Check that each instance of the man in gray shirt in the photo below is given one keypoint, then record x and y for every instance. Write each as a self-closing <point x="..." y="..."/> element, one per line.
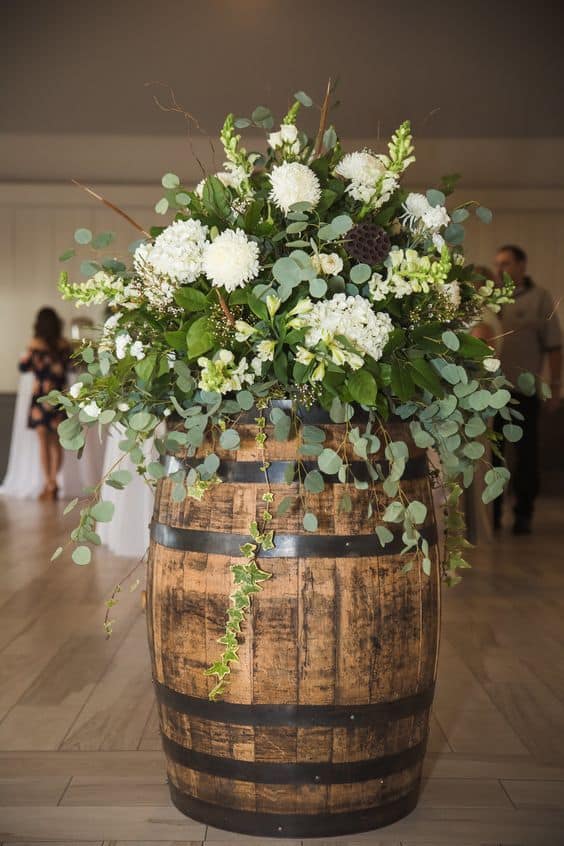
<point x="531" y="334"/>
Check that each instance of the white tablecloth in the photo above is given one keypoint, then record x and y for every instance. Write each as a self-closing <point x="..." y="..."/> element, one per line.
<point x="128" y="532"/>
<point x="24" y="479"/>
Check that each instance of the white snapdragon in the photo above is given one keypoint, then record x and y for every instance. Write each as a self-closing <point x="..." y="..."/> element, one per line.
<point x="292" y="183"/>
<point x="231" y="260"/>
<point x="329" y="264"/>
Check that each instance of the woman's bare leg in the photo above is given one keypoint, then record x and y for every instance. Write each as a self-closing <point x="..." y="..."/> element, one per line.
<point x="55" y="459"/>
<point x="44" y="453"/>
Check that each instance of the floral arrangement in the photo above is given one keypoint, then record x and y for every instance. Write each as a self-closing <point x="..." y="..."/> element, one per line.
<point x="301" y="273"/>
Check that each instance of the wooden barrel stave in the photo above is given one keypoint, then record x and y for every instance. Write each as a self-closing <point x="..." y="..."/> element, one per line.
<point x="382" y="648"/>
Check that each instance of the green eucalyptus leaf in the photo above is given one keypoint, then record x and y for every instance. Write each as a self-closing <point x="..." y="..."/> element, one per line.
<point x="81" y="555"/>
<point x="329" y="461"/>
<point x="229" y="439"/>
<point x="83" y="236"/>
<point x="310" y="522"/>
<point x="512" y="432"/>
<point x="313" y="482"/>
<point x="102" y="511"/>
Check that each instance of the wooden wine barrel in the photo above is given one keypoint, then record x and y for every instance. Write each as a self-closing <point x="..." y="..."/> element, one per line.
<point x="324" y="726"/>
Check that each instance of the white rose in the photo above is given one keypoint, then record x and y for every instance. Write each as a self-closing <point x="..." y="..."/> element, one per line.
<point x="275" y="140"/>
<point x="288" y="133"/>
<point x="331" y="264"/>
<point x="75" y="389"/>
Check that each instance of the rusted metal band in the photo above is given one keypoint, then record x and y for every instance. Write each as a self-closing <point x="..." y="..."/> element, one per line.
<point x="287" y="546"/>
<point x="302" y="716"/>
<point x="250" y="472"/>
<point x="266" y="772"/>
<point x="294" y="825"/>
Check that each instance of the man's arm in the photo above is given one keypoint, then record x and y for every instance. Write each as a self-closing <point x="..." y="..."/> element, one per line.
<point x="555" y="369"/>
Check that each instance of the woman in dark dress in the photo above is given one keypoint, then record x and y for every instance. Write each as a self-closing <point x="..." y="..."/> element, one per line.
<point x="48" y="356"/>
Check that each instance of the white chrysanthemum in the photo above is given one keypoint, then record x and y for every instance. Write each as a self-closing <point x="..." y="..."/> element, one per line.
<point x="362" y="167"/>
<point x="421" y="216"/>
<point x="353" y="318"/>
<point x="177" y="252"/>
<point x="231" y="260"/>
<point x="294" y="183"/>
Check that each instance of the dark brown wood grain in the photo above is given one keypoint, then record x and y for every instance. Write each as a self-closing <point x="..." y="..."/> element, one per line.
<point x="323" y="632"/>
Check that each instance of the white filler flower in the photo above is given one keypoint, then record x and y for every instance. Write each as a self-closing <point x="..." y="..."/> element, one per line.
<point x="352" y="317"/>
<point x="231" y="260"/>
<point x="294" y="183"/>
<point x="177" y="252"/>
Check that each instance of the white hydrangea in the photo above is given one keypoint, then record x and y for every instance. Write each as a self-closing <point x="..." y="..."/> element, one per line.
<point x="292" y="183"/>
<point x="353" y="318"/>
<point x="177" y="252"/>
<point x="137" y="350"/>
<point x="231" y="260"/>
<point x="123" y="342"/>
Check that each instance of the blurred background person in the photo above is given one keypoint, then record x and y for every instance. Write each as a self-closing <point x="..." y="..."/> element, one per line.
<point x="47" y="356"/>
<point x="531" y="338"/>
